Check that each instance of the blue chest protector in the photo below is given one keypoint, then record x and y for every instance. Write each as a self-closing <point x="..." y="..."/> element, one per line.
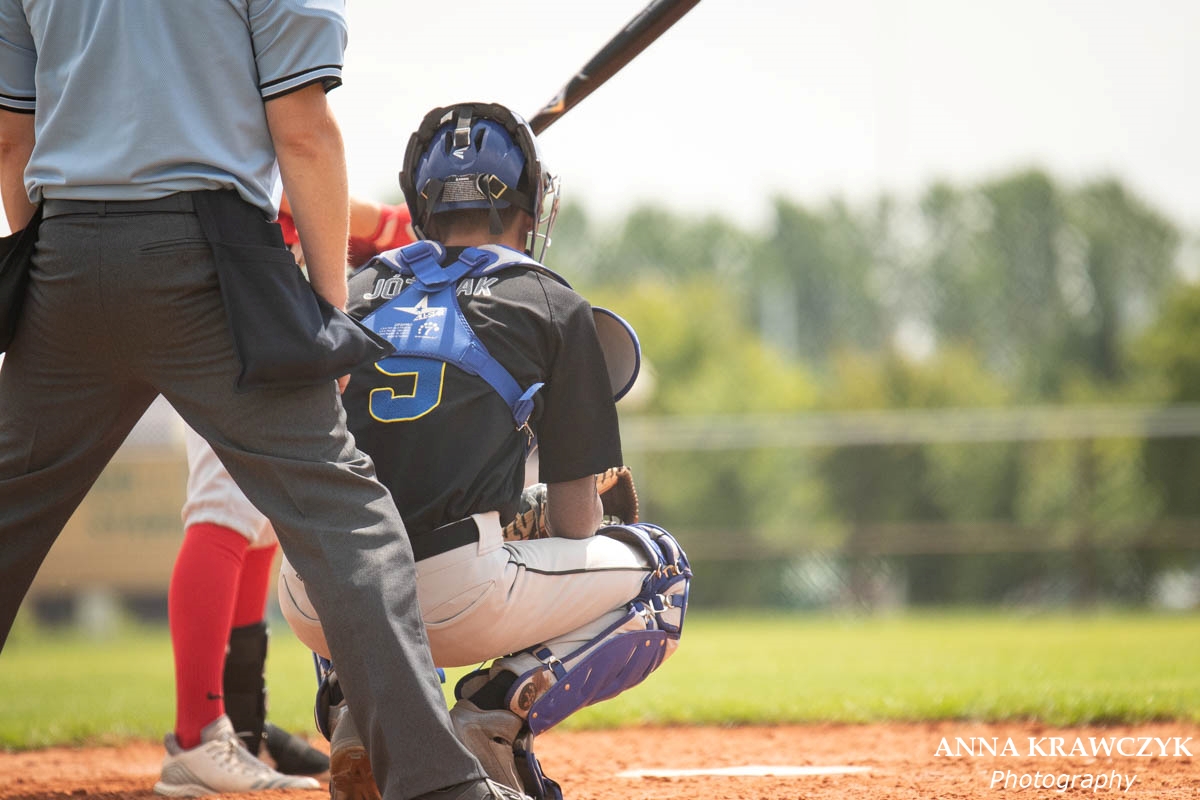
<point x="424" y="319"/>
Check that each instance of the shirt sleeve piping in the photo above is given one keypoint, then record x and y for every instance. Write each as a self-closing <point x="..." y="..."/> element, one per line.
<point x="294" y="80"/>
<point x="20" y="105"/>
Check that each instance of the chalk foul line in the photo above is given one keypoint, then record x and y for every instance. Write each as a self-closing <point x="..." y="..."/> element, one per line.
<point x="748" y="770"/>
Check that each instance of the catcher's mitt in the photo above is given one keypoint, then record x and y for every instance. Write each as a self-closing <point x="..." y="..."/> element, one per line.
<point x="530" y="521"/>
<point x="617" y="495"/>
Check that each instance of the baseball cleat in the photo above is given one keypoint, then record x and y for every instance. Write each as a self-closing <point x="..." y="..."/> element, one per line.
<point x="220" y="764"/>
<point x="489" y="735"/>
<point x="350" y="776"/>
<point x="292" y="754"/>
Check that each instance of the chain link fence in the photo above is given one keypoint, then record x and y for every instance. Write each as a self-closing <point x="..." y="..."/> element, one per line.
<point x="1027" y="507"/>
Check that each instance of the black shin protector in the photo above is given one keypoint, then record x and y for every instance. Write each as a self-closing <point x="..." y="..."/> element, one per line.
<point x="245" y="683"/>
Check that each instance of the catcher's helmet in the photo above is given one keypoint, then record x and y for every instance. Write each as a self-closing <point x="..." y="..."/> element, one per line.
<point x="478" y="155"/>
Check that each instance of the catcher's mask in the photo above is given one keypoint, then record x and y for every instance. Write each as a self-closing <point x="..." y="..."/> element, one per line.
<point x="478" y="155"/>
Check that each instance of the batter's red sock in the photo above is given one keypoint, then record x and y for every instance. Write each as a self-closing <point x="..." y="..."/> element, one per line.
<point x="251" y="604"/>
<point x="200" y="604"/>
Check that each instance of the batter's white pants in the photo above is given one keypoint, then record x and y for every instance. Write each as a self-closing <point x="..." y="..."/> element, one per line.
<point x="213" y="497"/>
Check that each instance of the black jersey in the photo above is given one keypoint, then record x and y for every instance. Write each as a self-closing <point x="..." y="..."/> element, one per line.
<point x="456" y="451"/>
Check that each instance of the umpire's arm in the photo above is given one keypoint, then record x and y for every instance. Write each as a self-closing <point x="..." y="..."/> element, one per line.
<point x="312" y="163"/>
<point x="16" y="144"/>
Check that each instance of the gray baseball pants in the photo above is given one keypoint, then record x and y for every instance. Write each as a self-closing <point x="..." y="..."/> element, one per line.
<point x="124" y="305"/>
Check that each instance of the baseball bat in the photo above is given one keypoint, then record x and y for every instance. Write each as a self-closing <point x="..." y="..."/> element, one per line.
<point x="635" y="37"/>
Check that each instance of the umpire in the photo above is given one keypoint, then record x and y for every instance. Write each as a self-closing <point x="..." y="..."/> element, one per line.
<point x="153" y="135"/>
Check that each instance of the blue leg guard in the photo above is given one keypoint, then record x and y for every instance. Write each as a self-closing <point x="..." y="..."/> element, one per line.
<point x="329" y="694"/>
<point x="620" y="657"/>
<point x="529" y="770"/>
<point x="623" y="654"/>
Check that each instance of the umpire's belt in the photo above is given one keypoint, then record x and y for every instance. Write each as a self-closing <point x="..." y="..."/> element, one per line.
<point x="180" y="202"/>
<point x="444" y="539"/>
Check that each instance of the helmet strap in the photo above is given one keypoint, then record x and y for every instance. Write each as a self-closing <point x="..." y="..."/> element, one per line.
<point x="495" y="226"/>
<point x="492" y="189"/>
<point x="431" y="194"/>
<point x="462" y="128"/>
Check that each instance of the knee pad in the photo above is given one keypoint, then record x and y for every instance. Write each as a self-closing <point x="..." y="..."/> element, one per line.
<point x="624" y="653"/>
<point x="665" y="590"/>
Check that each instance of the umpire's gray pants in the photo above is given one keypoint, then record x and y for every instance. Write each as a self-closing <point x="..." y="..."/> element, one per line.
<point x="124" y="306"/>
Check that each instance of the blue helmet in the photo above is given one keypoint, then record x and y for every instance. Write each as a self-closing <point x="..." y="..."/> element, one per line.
<point x="458" y="158"/>
<point x="482" y="156"/>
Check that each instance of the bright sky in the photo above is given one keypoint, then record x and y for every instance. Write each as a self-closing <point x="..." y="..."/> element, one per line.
<point x="744" y="99"/>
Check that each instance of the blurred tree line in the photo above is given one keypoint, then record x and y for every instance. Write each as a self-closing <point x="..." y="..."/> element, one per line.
<point x="1010" y="293"/>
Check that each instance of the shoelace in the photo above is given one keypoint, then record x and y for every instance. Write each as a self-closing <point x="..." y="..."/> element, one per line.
<point x="231" y="752"/>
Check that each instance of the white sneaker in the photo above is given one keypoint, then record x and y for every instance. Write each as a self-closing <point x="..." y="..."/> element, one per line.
<point x="489" y="735"/>
<point x="219" y="764"/>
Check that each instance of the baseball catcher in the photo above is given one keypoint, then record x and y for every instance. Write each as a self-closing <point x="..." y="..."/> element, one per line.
<point x="569" y="596"/>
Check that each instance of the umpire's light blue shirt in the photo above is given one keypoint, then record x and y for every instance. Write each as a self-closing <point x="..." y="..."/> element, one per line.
<point x="137" y="99"/>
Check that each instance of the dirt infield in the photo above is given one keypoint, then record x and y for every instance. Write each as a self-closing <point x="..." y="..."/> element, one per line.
<point x="900" y="761"/>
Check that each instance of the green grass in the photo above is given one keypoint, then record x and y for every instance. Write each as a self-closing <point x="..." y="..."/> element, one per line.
<point x="731" y="669"/>
<point x="1063" y="669"/>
